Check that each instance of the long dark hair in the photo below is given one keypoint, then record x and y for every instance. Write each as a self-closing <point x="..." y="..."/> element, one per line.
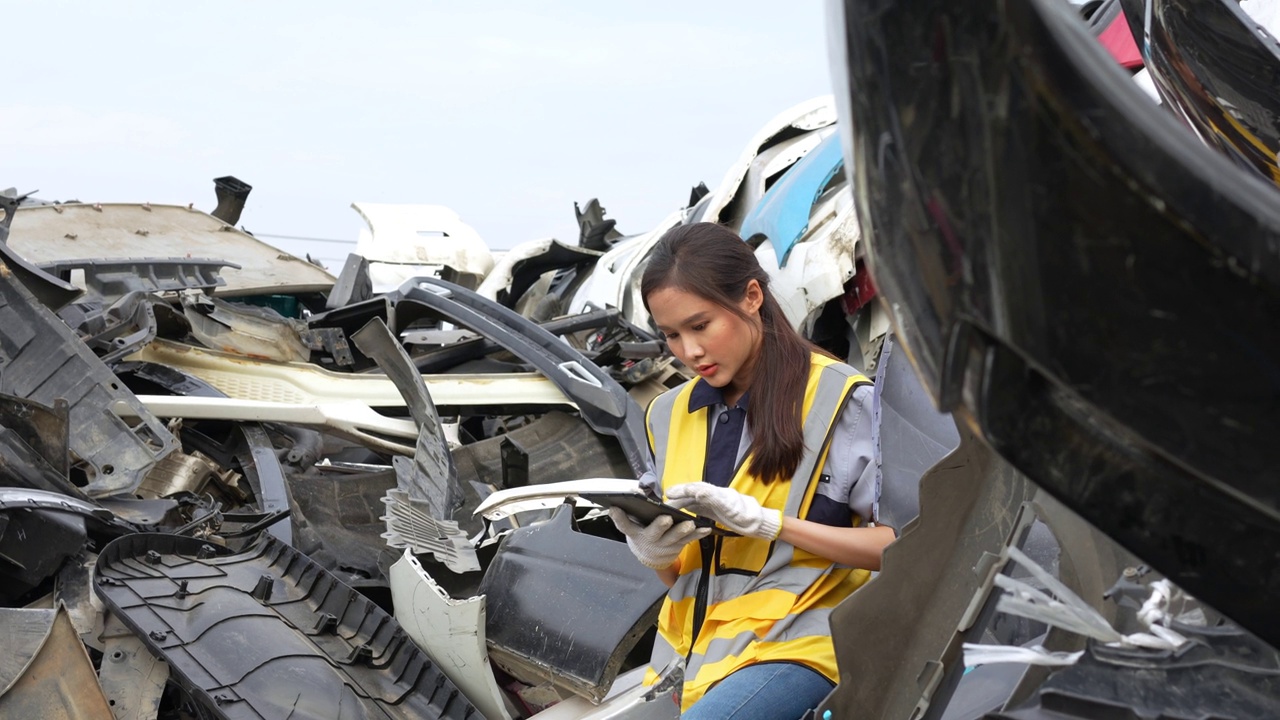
<point x="710" y="261"/>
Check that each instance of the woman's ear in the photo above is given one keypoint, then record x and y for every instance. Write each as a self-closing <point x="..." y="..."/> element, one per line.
<point x="753" y="298"/>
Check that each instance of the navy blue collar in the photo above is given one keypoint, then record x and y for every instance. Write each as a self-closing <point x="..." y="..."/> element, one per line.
<point x="704" y="395"/>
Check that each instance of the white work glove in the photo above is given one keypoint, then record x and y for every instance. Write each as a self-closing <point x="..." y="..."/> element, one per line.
<point x="658" y="544"/>
<point x="730" y="508"/>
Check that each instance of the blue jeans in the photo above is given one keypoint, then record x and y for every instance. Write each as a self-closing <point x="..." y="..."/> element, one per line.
<point x="768" y="691"/>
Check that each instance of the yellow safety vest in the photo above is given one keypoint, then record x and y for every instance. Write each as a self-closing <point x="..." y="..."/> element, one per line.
<point x="761" y="600"/>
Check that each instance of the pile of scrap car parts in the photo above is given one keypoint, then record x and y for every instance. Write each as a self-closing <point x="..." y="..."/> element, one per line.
<point x="786" y="194"/>
<point x="1037" y="224"/>
<point x="239" y="454"/>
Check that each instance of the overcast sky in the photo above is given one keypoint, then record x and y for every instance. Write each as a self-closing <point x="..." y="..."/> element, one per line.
<point x="506" y="112"/>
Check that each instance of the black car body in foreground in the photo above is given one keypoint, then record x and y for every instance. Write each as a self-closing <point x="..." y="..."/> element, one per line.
<point x="1089" y="288"/>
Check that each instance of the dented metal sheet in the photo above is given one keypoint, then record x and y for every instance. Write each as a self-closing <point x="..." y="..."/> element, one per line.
<point x="116" y="231"/>
<point x="42" y="360"/>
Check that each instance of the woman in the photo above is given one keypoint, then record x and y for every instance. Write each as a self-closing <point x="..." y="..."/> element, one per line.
<point x="772" y="442"/>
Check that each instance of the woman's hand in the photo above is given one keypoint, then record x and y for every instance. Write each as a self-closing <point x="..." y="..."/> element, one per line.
<point x="731" y="509"/>
<point x="658" y="544"/>
<point x="859" y="547"/>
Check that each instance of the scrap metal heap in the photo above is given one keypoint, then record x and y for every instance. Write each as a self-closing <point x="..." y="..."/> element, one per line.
<point x="255" y="485"/>
<point x="210" y="468"/>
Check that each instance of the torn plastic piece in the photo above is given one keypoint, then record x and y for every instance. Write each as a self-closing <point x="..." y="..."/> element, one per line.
<point x="1070" y="613"/>
<point x="432" y="477"/>
<point x="58" y="681"/>
<point x="18" y="499"/>
<point x="1154" y="685"/>
<point x="109" y="280"/>
<point x="330" y="340"/>
<point x="22" y="466"/>
<point x="594" y="231"/>
<point x="139" y="512"/>
<point x="411" y="525"/>
<point x="232" y="193"/>
<point x="140" y="376"/>
<point x="521" y="267"/>
<point x="42" y="360"/>
<point x="604" y="404"/>
<point x="262" y="469"/>
<point x="577" y="640"/>
<point x="911" y="436"/>
<point x="47" y="289"/>
<point x="628" y="699"/>
<point x="44" y="428"/>
<point x="318" y="645"/>
<point x="976" y="654"/>
<point x="73" y="589"/>
<point x="450" y="631"/>
<point x="965" y="512"/>
<point x="181" y="472"/>
<point x="244" y="329"/>
<point x="353" y="284"/>
<point x="132" y="679"/>
<point x="115" y="331"/>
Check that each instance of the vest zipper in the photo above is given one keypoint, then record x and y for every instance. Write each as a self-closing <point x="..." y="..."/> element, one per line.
<point x="707" y="547"/>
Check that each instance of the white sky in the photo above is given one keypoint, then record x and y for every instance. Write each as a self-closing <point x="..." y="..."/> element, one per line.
<point x="507" y="112"/>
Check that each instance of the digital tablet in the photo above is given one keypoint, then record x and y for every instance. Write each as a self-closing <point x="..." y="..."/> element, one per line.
<point x="645" y="508"/>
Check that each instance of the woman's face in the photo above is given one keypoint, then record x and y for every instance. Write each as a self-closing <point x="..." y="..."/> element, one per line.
<point x="711" y="340"/>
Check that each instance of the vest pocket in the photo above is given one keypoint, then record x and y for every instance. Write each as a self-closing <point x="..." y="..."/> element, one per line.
<point x="742" y="555"/>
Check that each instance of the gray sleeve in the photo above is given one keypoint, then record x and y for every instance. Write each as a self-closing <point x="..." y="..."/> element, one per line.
<point x="851" y="466"/>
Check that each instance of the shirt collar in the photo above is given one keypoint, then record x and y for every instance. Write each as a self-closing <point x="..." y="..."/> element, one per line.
<point x="704" y="395"/>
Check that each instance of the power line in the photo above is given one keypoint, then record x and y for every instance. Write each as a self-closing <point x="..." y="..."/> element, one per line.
<point x="304" y="239"/>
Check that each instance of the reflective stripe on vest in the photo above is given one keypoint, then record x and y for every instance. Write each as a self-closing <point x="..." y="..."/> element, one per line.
<point x="766" y="601"/>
